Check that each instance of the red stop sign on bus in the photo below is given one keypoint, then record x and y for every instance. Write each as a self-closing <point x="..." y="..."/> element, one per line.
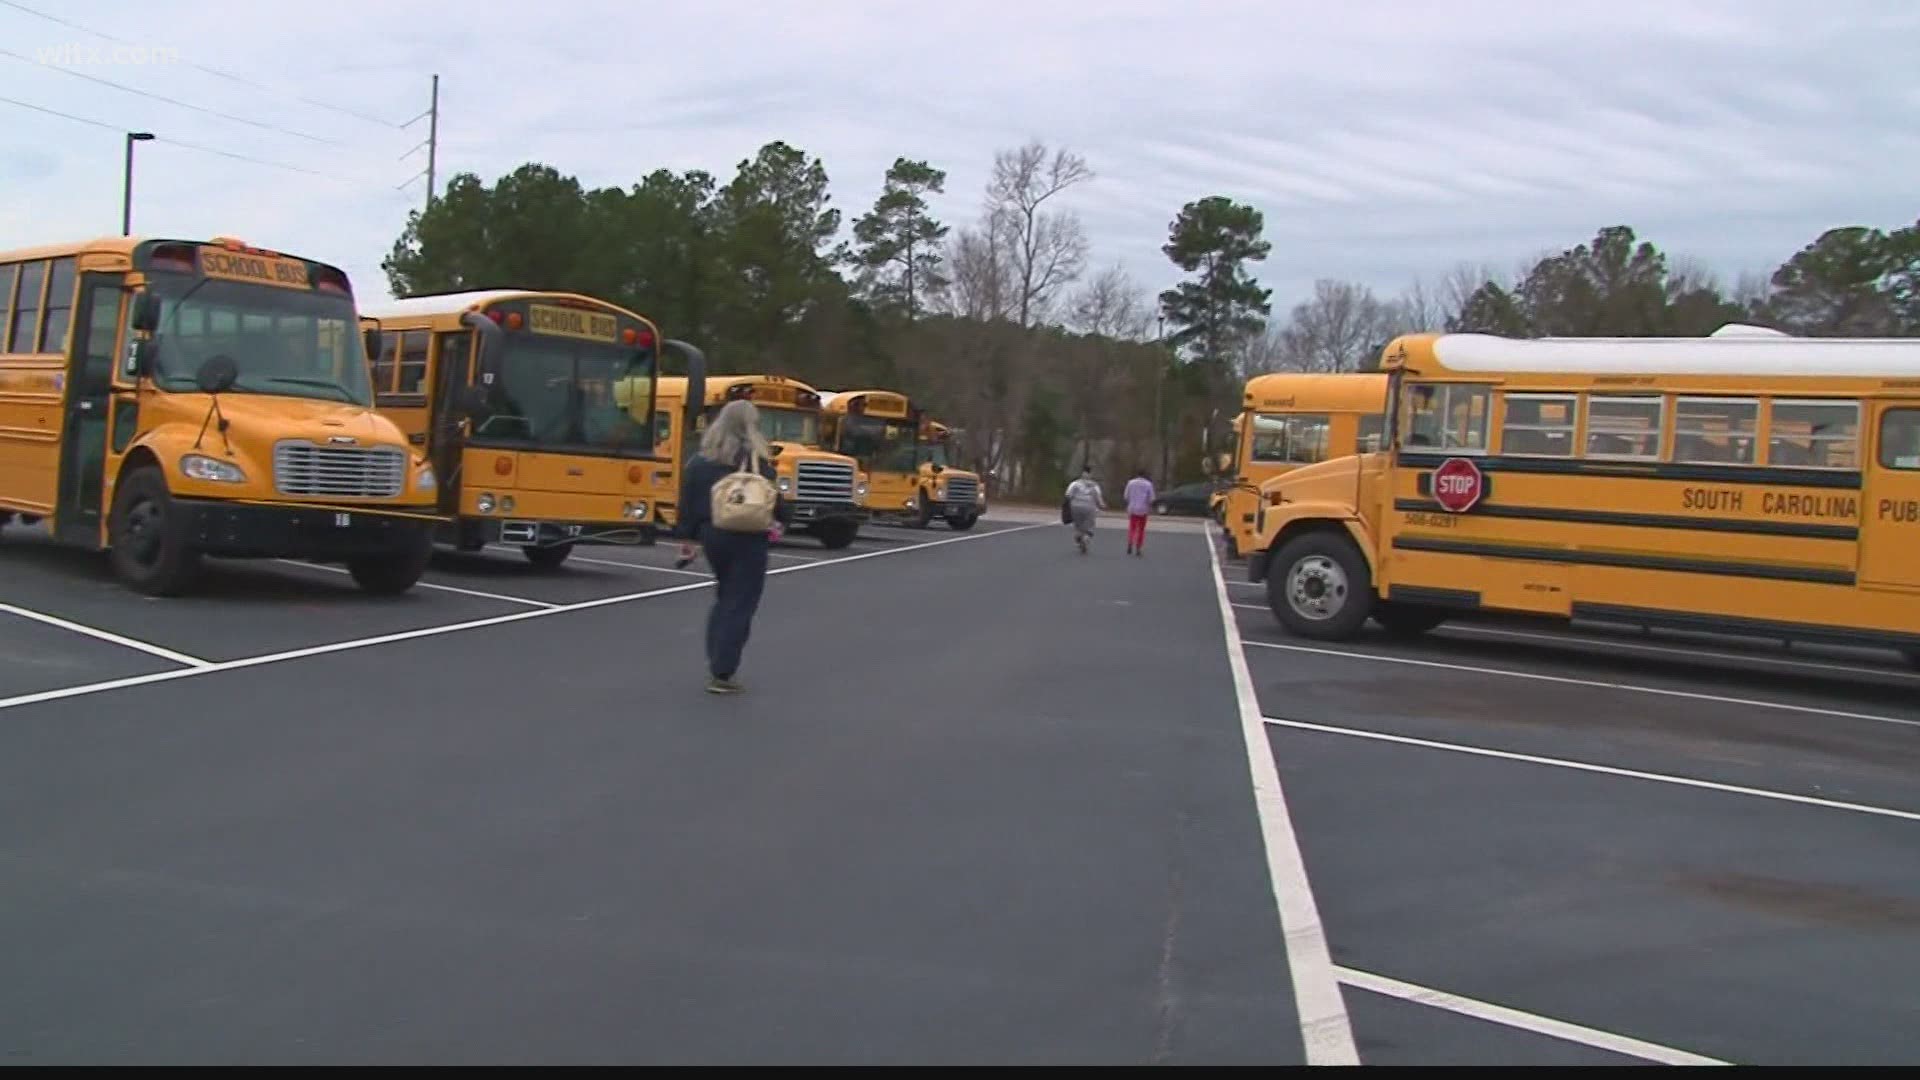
<point x="1457" y="485"/>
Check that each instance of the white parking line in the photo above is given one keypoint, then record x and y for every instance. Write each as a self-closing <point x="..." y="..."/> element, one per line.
<point x="639" y="566"/>
<point x="435" y="631"/>
<point x="1525" y="1021"/>
<point x="1325" y="1029"/>
<point x="430" y="585"/>
<point x="1606" y="770"/>
<point x="1584" y="640"/>
<point x="1679" y="650"/>
<point x="108" y="636"/>
<point x="1633" y="688"/>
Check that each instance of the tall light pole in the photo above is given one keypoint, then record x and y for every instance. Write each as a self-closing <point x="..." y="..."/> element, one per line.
<point x="126" y="188"/>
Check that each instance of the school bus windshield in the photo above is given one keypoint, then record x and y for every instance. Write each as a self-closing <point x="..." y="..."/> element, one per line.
<point x="284" y="342"/>
<point x="885" y="445"/>
<point x="554" y="392"/>
<point x="784" y="425"/>
<point x="935" y="453"/>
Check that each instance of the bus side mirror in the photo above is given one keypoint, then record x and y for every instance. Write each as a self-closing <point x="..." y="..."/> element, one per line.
<point x="1223" y="464"/>
<point x="217" y="375"/>
<point x="146" y="312"/>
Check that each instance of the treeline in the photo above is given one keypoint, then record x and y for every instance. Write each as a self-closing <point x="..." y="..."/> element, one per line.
<point x="1006" y="328"/>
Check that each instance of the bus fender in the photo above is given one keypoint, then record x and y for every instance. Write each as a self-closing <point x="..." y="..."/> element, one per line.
<point x="1305" y="518"/>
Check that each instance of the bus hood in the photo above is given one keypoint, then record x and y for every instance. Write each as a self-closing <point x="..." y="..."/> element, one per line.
<point x="1321" y="480"/>
<point x="256" y="416"/>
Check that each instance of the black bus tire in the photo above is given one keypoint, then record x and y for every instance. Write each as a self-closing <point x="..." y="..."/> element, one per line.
<point x="548" y="557"/>
<point x="1319" y="587"/>
<point x="394" y="572"/>
<point x="146" y="543"/>
<point x="834" y="535"/>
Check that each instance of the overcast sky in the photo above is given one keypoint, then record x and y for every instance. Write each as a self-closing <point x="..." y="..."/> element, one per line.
<point x="1383" y="141"/>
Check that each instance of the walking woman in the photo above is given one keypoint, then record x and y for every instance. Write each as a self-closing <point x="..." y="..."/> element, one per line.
<point x="1085" y="502"/>
<point x="732" y="443"/>
<point x="1139" y="505"/>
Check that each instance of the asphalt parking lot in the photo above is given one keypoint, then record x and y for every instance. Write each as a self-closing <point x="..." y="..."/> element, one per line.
<point x="986" y="800"/>
<point x="1601" y="846"/>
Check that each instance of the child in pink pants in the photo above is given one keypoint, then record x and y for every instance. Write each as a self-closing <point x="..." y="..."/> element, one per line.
<point x="1139" y="505"/>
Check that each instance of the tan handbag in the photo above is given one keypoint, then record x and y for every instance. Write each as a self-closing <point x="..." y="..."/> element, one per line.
<point x="744" y="500"/>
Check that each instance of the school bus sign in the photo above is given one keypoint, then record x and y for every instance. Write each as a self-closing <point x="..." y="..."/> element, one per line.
<point x="218" y="262"/>
<point x="573" y="323"/>
<point x="1458" y="485"/>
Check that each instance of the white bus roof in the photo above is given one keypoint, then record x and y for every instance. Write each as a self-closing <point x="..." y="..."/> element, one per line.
<point x="436" y="302"/>
<point x="1731" y="351"/>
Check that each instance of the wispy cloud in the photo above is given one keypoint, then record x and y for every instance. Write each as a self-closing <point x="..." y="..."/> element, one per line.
<point x="1384" y="140"/>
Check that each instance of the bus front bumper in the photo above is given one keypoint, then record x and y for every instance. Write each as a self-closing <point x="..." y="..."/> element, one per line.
<point x="248" y="530"/>
<point x="813" y="513"/>
<point x="529" y="533"/>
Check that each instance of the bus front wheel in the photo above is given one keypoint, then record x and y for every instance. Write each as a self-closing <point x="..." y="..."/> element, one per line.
<point x="549" y="557"/>
<point x="835" y="535"/>
<point x="1318" y="586"/>
<point x="394" y="572"/>
<point x="144" y="538"/>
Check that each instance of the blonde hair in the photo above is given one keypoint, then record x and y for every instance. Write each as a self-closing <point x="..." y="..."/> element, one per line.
<point x="732" y="433"/>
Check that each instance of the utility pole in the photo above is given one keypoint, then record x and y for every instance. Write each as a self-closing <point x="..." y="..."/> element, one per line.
<point x="433" y="137"/>
<point x="432" y="145"/>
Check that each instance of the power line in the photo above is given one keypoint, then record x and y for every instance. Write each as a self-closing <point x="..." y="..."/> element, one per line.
<point x="242" y="79"/>
<point x="161" y="97"/>
<point x="185" y="145"/>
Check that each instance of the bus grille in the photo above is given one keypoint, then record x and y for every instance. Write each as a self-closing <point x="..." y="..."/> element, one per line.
<point x="823" y="481"/>
<point x="301" y="468"/>
<point x="962" y="489"/>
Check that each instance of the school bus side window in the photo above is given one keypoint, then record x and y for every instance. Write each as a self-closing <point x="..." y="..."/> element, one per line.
<point x="413" y="361"/>
<point x="1538" y="425"/>
<point x="1715" y="431"/>
<point x="1814" y="434"/>
<point x="7" y="274"/>
<point x="1448" y="416"/>
<point x="1624" y="428"/>
<point x="383" y="364"/>
<point x="26" y="306"/>
<point x="59" y="308"/>
<point x="1900" y="439"/>
<point x="1294" y="439"/>
<point x="1373" y="429"/>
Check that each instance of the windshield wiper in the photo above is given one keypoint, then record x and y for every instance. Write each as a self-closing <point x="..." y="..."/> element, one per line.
<point x="345" y="394"/>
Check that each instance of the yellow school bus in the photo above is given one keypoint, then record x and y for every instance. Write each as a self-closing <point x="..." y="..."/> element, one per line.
<point x="532" y="406"/>
<point x="167" y="399"/>
<point x="1288" y="420"/>
<point x="905" y="456"/>
<point x="1745" y="483"/>
<point x="827" y="490"/>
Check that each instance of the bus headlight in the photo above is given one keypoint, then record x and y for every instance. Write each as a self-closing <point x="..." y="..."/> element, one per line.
<point x="484" y="503"/>
<point x="202" y="467"/>
<point x="635" y="510"/>
<point x="425" y="481"/>
<point x="786" y="485"/>
<point x="860" y="489"/>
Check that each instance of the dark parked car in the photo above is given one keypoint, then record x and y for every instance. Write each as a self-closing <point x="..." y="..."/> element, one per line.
<point x="1188" y="499"/>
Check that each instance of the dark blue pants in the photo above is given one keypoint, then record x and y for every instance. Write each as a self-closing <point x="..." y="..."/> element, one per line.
<point x="739" y="562"/>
